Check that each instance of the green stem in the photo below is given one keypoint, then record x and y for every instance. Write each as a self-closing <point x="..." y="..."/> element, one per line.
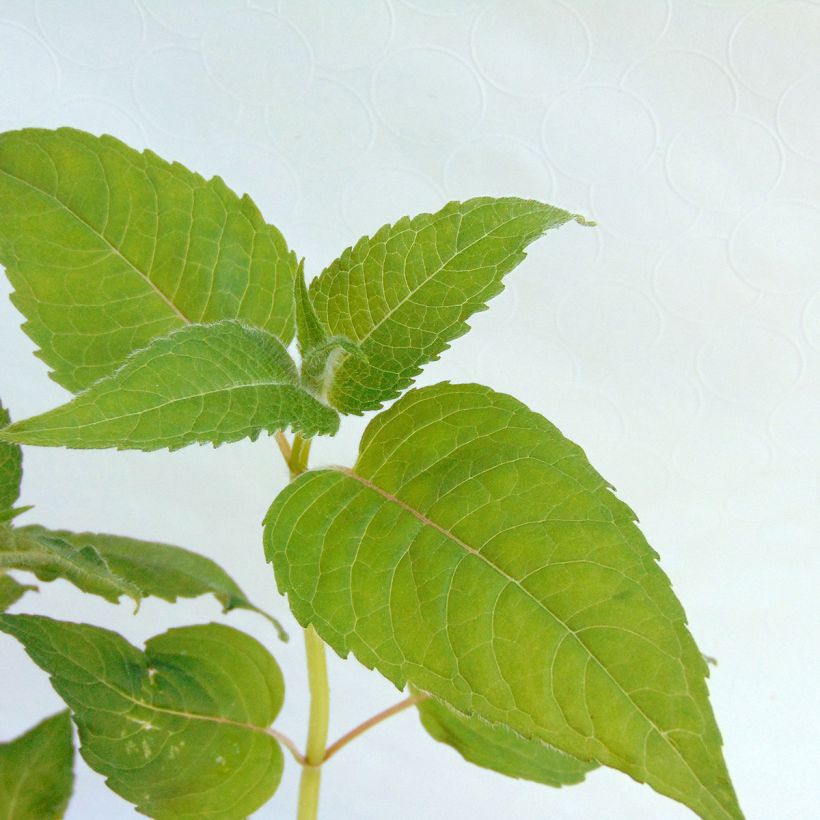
<point x="317" y="726"/>
<point x="309" y="785"/>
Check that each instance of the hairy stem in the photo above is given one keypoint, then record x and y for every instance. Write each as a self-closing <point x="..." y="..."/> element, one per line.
<point x="299" y="456"/>
<point x="371" y="722"/>
<point x="317" y="725"/>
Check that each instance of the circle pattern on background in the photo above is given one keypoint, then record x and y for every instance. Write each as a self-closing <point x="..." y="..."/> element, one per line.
<point x="530" y="48"/>
<point x="428" y="96"/>
<point x="202" y="108"/>
<point x="695" y="280"/>
<point x="798" y="117"/>
<point x="681" y="86"/>
<point x="623" y="209"/>
<point x="330" y="28"/>
<point x="775" y="45"/>
<point x="640" y="24"/>
<point x="749" y="364"/>
<point x="116" y="37"/>
<point x="725" y="163"/>
<point x="498" y="165"/>
<point x="811" y="320"/>
<point x="587" y="127"/>
<point x="445" y="8"/>
<point x="777" y="247"/>
<point x="718" y="456"/>
<point x="276" y="62"/>
<point x="384" y="194"/>
<point x="189" y="18"/>
<point x="27" y="59"/>
<point x="301" y="128"/>
<point x="656" y="401"/>
<point x="604" y="324"/>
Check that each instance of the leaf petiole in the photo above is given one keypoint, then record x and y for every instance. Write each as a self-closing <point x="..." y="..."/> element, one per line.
<point x="284" y="445"/>
<point x="371" y="722"/>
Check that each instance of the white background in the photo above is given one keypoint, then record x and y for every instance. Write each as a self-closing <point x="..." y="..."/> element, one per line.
<point x="679" y="342"/>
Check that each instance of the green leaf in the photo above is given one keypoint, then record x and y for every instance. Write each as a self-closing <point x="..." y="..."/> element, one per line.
<point x="404" y="294"/>
<point x="498" y="748"/>
<point x="36" y="771"/>
<point x="108" y="248"/>
<point x="179" y="730"/>
<point x="162" y="570"/>
<point x="321" y="354"/>
<point x="309" y="331"/>
<point x="11" y="469"/>
<point x="10" y="515"/>
<point x="11" y="591"/>
<point x="50" y="557"/>
<point x="205" y="383"/>
<point x="474" y="553"/>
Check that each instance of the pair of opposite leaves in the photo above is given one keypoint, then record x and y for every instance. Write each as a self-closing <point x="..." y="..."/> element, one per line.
<point x="513" y="586"/>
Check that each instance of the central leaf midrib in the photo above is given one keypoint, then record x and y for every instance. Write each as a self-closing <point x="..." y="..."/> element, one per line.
<point x="100" y="236"/>
<point x="413" y="291"/>
<point x="154" y="407"/>
<point x="418" y="515"/>
<point x="187" y="715"/>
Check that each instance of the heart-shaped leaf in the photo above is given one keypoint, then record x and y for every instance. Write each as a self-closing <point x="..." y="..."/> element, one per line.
<point x="179" y="730"/>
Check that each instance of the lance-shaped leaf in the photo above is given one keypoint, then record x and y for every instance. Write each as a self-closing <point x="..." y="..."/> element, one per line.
<point x="179" y="730"/>
<point x="205" y="383"/>
<point x="36" y="771"/>
<point x="321" y="354"/>
<point x="11" y="590"/>
<point x="163" y="570"/>
<point x="498" y="748"/>
<point x="50" y="557"/>
<point x="405" y="293"/>
<point x="108" y="248"/>
<point x="474" y="553"/>
<point x="309" y="330"/>
<point x="11" y="469"/>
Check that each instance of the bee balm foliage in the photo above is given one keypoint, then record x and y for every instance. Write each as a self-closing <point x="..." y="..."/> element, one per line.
<point x="471" y="553"/>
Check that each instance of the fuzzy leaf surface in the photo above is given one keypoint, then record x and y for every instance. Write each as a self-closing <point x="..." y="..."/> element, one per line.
<point x="37" y="771"/>
<point x="205" y="383"/>
<point x="498" y="748"/>
<point x="406" y="292"/>
<point x="179" y="730"/>
<point x="163" y="570"/>
<point x="108" y="248"/>
<point x="50" y="557"/>
<point x="11" y="468"/>
<point x="474" y="552"/>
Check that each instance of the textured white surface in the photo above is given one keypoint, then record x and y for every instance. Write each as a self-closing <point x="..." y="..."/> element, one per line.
<point x="679" y="343"/>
